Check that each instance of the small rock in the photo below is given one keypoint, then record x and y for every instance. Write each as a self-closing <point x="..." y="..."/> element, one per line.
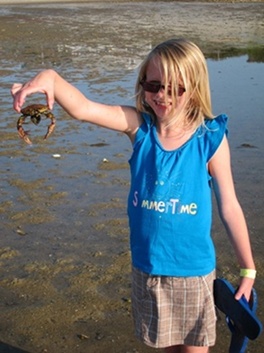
<point x="82" y="337"/>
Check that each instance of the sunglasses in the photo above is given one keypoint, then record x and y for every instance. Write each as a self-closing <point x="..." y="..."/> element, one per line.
<point x="155" y="87"/>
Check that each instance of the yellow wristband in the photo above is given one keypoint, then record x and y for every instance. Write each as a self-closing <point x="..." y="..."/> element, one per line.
<point x="246" y="272"/>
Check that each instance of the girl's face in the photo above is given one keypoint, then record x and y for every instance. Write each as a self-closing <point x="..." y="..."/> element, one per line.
<point x="160" y="104"/>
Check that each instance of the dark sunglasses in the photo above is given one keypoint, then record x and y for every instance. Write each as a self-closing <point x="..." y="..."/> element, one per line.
<point x="155" y="87"/>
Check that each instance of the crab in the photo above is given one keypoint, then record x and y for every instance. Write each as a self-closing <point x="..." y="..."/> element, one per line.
<point x="35" y="111"/>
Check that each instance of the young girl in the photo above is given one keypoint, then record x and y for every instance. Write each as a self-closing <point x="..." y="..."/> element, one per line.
<point x="180" y="151"/>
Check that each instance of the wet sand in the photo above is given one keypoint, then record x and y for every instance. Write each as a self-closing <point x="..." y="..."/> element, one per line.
<point x="65" y="263"/>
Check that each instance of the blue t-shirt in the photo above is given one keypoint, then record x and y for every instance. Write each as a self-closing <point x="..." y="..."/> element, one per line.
<point x="169" y="204"/>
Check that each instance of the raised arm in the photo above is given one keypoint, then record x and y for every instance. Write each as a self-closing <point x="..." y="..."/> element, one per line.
<point x="120" y="118"/>
<point x="231" y="213"/>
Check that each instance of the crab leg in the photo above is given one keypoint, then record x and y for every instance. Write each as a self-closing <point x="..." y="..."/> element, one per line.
<point x="52" y="125"/>
<point x="21" y="132"/>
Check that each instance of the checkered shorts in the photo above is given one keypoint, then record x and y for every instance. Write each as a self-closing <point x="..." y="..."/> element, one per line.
<point x="172" y="311"/>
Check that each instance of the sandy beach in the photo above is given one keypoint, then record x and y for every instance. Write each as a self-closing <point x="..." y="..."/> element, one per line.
<point x="64" y="250"/>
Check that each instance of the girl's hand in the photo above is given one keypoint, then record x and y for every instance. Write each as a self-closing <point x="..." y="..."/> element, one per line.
<point x="245" y="288"/>
<point x="42" y="83"/>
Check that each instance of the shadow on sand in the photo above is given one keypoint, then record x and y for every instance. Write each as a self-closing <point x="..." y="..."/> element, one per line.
<point x="6" y="348"/>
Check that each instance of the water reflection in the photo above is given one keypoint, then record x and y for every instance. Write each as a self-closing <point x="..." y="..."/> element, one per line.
<point x="254" y="53"/>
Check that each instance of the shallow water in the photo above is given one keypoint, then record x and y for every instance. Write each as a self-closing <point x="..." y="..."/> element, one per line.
<point x="64" y="247"/>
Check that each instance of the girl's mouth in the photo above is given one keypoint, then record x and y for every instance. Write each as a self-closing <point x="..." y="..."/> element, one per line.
<point x="162" y="104"/>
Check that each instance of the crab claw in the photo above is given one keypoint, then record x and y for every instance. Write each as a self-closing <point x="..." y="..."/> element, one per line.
<point x="51" y="127"/>
<point x="27" y="140"/>
<point x="24" y="135"/>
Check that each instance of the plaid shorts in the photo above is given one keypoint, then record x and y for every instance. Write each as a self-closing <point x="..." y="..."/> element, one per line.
<point x="172" y="311"/>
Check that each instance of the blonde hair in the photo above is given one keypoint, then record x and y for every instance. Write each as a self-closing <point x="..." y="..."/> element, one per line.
<point x="182" y="64"/>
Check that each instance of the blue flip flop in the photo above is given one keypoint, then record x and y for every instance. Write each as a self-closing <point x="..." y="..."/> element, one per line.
<point x="241" y="317"/>
<point x="239" y="342"/>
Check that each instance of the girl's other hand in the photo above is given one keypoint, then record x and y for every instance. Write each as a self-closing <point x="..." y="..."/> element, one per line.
<point x="245" y="288"/>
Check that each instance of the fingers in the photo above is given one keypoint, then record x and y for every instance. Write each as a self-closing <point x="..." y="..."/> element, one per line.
<point x="245" y="288"/>
<point x="16" y="87"/>
<point x="50" y="100"/>
<point x="17" y="103"/>
<point x="42" y="83"/>
<point x="20" y="92"/>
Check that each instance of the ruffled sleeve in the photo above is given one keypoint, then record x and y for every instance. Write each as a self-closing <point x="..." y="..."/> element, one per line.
<point x="213" y="133"/>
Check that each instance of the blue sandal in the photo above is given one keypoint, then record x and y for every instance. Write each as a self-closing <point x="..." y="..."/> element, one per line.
<point x="240" y="315"/>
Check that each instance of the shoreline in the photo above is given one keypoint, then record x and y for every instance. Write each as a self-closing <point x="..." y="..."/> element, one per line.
<point x="39" y="2"/>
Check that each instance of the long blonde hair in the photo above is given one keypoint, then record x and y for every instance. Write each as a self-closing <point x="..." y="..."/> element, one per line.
<point x="182" y="63"/>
